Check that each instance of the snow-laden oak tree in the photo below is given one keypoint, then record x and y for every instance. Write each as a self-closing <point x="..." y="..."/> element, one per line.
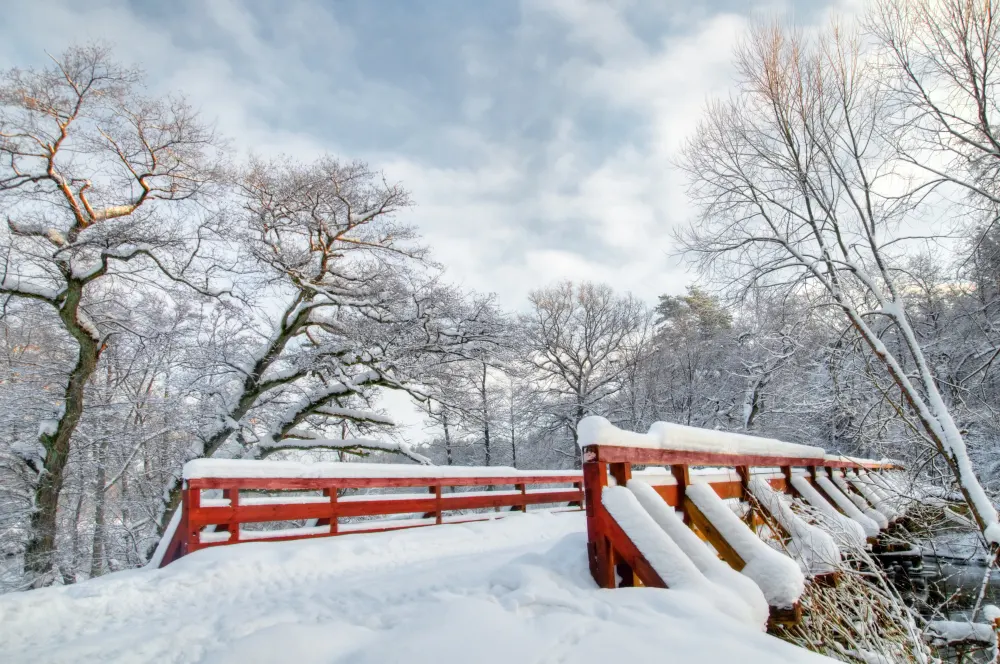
<point x="345" y="303"/>
<point x="97" y="182"/>
<point x="803" y="188"/>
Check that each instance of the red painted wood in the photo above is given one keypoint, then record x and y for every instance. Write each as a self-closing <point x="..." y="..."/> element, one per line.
<point x="380" y="527"/>
<point x="787" y="487"/>
<point x="613" y="454"/>
<point x="233" y="496"/>
<point x="682" y="475"/>
<point x="732" y="489"/>
<point x="195" y="516"/>
<point x="332" y="521"/>
<point x="192" y="501"/>
<point x="610" y="454"/>
<point x="177" y="546"/>
<point x="439" y="504"/>
<point x="626" y="549"/>
<point x="595" y="478"/>
<point x="622" y="472"/>
<point x="377" y="505"/>
<point x="585" y="490"/>
<point x="669" y="493"/>
<point x="579" y="487"/>
<point x="523" y="489"/>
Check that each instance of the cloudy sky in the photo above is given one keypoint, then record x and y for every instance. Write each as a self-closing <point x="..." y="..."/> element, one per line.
<point x="537" y="136"/>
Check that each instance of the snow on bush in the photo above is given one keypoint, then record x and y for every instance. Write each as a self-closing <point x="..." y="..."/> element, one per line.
<point x="777" y="575"/>
<point x="707" y="562"/>
<point x="815" y="550"/>
<point x="941" y="633"/>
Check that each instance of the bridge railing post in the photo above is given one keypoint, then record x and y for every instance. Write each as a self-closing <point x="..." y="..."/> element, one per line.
<point x="682" y="478"/>
<point x="190" y="501"/>
<point x="599" y="552"/>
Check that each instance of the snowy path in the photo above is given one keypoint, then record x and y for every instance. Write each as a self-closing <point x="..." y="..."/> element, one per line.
<point x="516" y="590"/>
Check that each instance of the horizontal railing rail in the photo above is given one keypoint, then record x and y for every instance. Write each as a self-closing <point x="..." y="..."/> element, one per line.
<point x="333" y="509"/>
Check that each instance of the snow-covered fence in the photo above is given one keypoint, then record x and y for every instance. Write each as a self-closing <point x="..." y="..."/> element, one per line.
<point x="694" y="470"/>
<point x="227" y="502"/>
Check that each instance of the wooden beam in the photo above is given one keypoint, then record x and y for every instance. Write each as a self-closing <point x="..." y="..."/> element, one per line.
<point x="629" y="553"/>
<point x="714" y="537"/>
<point x="622" y="472"/>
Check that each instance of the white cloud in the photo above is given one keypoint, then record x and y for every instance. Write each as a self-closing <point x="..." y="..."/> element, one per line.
<point x="515" y="188"/>
<point x="506" y="203"/>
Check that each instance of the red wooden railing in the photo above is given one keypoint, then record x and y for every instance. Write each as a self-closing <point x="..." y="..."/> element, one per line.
<point x="333" y="510"/>
<point x="609" y="548"/>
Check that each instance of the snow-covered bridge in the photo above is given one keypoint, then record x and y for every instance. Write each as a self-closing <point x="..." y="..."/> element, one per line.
<point x="513" y="590"/>
<point x="517" y="588"/>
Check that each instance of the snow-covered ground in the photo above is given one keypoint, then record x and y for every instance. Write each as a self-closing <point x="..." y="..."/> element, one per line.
<point x="511" y="590"/>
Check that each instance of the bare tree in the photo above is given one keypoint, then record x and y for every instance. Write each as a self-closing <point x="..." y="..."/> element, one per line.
<point x="801" y="190"/>
<point x="467" y="390"/>
<point x="86" y="166"/>
<point x="943" y="72"/>
<point x="577" y="337"/>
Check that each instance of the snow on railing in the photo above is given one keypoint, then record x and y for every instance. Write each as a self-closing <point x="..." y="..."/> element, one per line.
<point x="696" y="471"/>
<point x="835" y="522"/>
<point x="671" y="566"/>
<point x="242" y="468"/>
<point x="846" y="505"/>
<point x="672" y="437"/>
<point x="777" y="575"/>
<point x="231" y="501"/>
<point x="860" y="501"/>
<point x="704" y="558"/>
<point x="813" y="548"/>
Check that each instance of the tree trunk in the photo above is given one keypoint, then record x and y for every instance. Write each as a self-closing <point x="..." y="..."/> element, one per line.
<point x="447" y="436"/>
<point x="486" y="416"/>
<point x="513" y="440"/>
<point x="577" y="452"/>
<point x="77" y="512"/>
<point x="97" y="550"/>
<point x="40" y="550"/>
